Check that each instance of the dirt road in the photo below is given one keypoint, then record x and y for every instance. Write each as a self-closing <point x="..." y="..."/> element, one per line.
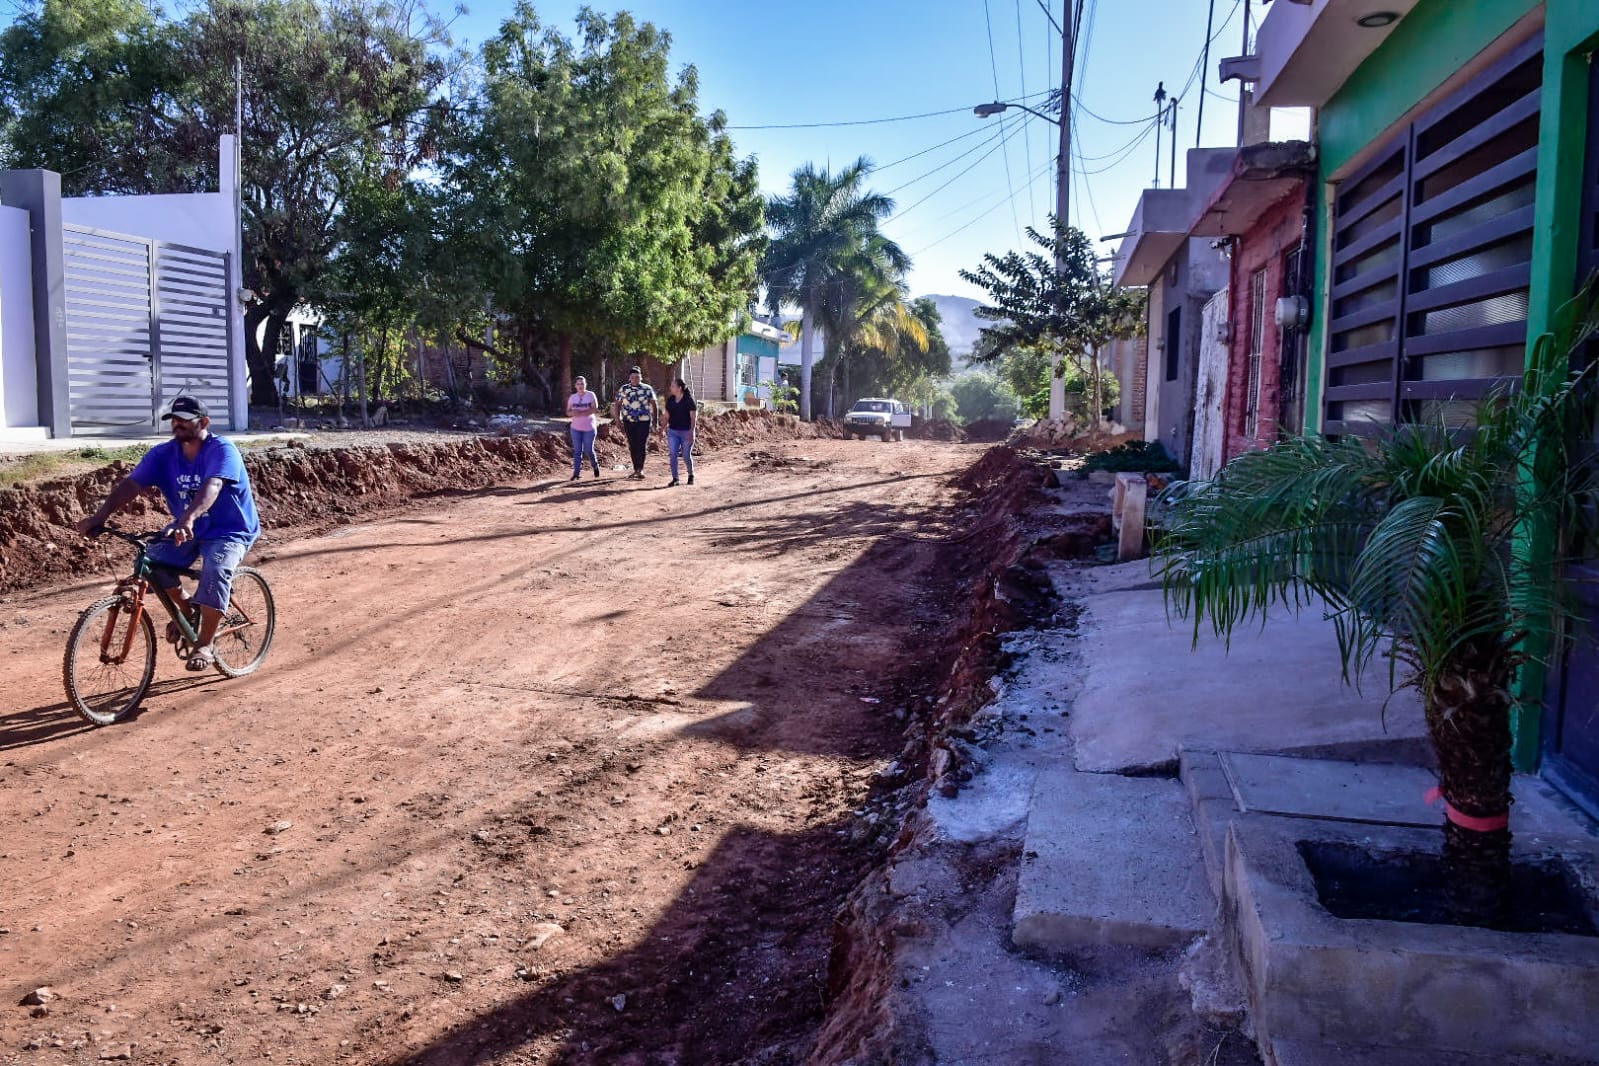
<point x="545" y="773"/>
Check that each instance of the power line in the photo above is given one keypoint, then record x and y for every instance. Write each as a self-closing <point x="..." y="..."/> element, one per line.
<point x="993" y="62"/>
<point x="1051" y="16"/>
<point x="968" y="225"/>
<point x="1091" y="113"/>
<point x="1088" y="190"/>
<point x="877" y="121"/>
<point x="1153" y="128"/>
<point x="905" y="211"/>
<point x="993" y="136"/>
<point x="1027" y="134"/>
<point x="1078" y="149"/>
<point x="974" y="131"/>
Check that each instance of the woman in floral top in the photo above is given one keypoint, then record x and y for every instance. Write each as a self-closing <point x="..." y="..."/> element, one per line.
<point x="638" y="410"/>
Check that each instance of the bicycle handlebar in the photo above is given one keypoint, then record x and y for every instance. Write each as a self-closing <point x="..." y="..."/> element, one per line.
<point x="138" y="540"/>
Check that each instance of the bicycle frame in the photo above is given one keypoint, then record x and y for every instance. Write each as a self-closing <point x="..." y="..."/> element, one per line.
<point x="138" y="584"/>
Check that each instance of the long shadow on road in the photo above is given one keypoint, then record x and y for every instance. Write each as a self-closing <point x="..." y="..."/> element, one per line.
<point x="735" y="970"/>
<point x="748" y="922"/>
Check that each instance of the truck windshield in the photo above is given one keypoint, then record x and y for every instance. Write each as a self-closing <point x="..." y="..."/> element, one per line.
<point x="871" y="405"/>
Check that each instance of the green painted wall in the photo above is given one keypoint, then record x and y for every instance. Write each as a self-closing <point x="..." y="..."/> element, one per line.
<point x="749" y="344"/>
<point x="1571" y="32"/>
<point x="1436" y="39"/>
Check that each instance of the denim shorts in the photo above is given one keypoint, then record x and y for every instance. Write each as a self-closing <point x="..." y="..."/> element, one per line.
<point x="218" y="561"/>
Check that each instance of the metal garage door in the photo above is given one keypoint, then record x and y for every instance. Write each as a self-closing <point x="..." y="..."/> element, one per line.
<point x="146" y="320"/>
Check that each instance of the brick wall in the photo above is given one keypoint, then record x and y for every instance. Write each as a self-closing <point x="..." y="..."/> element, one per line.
<point x="1264" y="247"/>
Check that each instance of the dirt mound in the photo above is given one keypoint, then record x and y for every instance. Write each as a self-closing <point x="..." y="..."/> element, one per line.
<point x="1067" y="435"/>
<point x="989" y="430"/>
<point x="937" y="429"/>
<point x="302" y="487"/>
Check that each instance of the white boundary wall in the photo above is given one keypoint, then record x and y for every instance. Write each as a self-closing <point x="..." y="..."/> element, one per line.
<point x="19" y="393"/>
<point x="201" y="220"/>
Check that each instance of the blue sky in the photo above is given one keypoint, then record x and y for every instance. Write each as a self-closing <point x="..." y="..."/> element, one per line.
<point x="782" y="62"/>
<point x="774" y="63"/>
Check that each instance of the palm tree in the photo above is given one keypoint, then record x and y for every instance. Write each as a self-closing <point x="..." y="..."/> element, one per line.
<point x="824" y="228"/>
<point x="1408" y="538"/>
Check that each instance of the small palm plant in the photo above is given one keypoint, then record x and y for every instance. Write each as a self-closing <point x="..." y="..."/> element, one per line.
<point x="1409" y="538"/>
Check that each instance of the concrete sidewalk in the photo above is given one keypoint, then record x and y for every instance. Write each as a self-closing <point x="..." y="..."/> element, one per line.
<point x="1095" y="893"/>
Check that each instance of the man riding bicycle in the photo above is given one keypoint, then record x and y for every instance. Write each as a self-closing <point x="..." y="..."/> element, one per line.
<point x="207" y="490"/>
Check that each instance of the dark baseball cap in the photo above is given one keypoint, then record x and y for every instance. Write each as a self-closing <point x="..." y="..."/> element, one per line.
<point x="187" y="408"/>
<point x="637" y="371"/>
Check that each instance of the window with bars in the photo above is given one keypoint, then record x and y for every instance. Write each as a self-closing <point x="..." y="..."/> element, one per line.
<point x="1257" y="343"/>
<point x="1431" y="258"/>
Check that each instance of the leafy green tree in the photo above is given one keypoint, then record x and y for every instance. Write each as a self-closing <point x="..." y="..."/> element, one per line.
<point x="827" y="256"/>
<point x="120" y="100"/>
<point x="980" y="395"/>
<point x="86" y="88"/>
<point x="1072" y="308"/>
<point x="1025" y="370"/>
<point x="596" y="204"/>
<point x="1408" y="538"/>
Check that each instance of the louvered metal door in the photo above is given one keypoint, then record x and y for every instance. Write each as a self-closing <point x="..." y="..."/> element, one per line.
<point x="146" y="320"/>
<point x="110" y="334"/>
<point x="1432" y="253"/>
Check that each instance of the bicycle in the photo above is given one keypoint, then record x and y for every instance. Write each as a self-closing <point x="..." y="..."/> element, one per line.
<point x="110" y="656"/>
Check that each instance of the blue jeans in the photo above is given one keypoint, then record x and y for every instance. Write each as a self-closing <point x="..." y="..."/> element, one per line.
<point x="680" y="440"/>
<point x="583" y="446"/>
<point x="218" y="561"/>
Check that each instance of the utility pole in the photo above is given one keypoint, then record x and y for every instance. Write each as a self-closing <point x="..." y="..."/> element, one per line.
<point x="1243" y="93"/>
<point x="1173" y="113"/>
<point x="1160" y="119"/>
<point x="1204" y="71"/>
<point x="1063" y="192"/>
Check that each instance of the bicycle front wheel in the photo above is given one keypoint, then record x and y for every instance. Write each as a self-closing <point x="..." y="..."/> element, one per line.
<point x="245" y="635"/>
<point x="110" y="661"/>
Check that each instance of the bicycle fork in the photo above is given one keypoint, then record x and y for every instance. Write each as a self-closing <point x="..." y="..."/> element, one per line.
<point x="132" y="593"/>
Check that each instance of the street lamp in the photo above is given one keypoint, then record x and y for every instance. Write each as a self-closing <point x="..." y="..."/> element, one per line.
<point x="998" y="106"/>
<point x="1057" y="382"/>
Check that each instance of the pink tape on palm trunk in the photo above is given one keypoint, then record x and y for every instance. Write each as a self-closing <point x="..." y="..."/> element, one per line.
<point x="1464" y="820"/>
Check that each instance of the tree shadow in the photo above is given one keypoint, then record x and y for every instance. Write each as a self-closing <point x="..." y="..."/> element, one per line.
<point x="746" y="920"/>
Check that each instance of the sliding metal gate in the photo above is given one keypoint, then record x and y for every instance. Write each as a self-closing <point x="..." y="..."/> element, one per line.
<point x="146" y="321"/>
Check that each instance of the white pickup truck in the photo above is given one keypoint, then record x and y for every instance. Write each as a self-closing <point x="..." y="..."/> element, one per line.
<point x="878" y="417"/>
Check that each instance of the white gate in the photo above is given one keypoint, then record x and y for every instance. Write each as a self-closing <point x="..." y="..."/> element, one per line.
<point x="1210" y="390"/>
<point x="146" y="321"/>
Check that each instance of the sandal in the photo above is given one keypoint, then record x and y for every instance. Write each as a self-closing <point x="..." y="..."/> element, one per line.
<point x="174" y="634"/>
<point x="202" y="659"/>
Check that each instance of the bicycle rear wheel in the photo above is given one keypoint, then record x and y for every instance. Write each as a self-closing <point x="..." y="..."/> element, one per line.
<point x="104" y="683"/>
<point x="245" y="636"/>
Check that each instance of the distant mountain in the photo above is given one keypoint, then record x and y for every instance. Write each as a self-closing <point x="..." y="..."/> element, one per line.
<point x="961" y="326"/>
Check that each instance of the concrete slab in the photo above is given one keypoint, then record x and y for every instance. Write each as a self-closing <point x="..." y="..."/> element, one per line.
<point x="1148" y="691"/>
<point x="1378" y="793"/>
<point x="1115" y="577"/>
<point x="1110" y="861"/>
<point x="1451" y="990"/>
<point x="1303" y="1053"/>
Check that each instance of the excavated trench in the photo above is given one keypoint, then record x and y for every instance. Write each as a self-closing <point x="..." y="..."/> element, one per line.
<point x="1005" y="589"/>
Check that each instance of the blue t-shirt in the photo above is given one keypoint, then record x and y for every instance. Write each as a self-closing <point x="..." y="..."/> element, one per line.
<point x="233" y="516"/>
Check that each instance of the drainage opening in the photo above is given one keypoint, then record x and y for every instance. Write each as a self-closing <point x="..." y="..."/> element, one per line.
<point x="1410" y="886"/>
